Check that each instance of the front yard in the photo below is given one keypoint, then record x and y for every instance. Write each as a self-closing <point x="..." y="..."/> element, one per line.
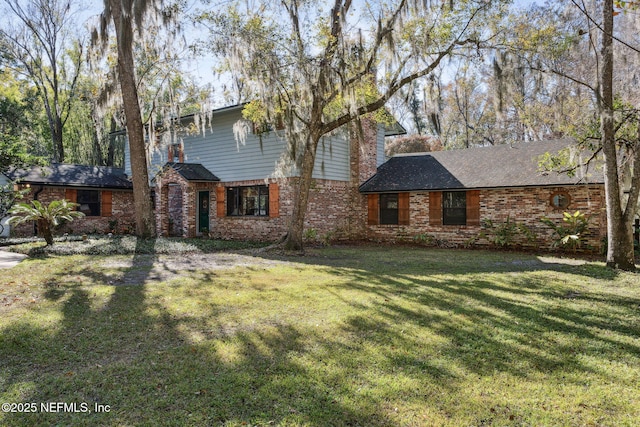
<point x="370" y="336"/>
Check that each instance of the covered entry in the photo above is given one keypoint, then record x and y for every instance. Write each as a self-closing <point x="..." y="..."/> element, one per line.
<point x="183" y="199"/>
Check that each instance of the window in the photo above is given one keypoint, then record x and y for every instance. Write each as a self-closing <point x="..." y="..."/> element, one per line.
<point x="388" y="208"/>
<point x="454" y="208"/>
<point x="248" y="201"/>
<point x="560" y="200"/>
<point x="89" y="201"/>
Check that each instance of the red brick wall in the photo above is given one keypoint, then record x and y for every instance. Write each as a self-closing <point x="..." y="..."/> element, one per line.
<point x="328" y="213"/>
<point x="122" y="212"/>
<point x="176" y="200"/>
<point x="523" y="205"/>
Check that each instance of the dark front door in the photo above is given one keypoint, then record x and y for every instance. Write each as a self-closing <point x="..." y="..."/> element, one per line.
<point x="203" y="211"/>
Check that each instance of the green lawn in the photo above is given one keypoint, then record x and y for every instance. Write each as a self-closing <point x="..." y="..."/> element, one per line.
<point x="369" y="336"/>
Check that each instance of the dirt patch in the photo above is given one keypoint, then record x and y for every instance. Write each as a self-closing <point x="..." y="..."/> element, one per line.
<point x="140" y="269"/>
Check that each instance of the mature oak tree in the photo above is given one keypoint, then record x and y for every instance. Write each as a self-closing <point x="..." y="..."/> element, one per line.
<point x="320" y="67"/>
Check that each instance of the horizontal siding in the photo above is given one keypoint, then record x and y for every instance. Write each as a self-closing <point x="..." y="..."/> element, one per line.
<point x="229" y="160"/>
<point x="332" y="158"/>
<point x="380" y="158"/>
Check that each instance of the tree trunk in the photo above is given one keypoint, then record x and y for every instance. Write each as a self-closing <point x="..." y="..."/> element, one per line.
<point x="293" y="241"/>
<point x="620" y="246"/>
<point x="58" y="148"/>
<point x="44" y="228"/>
<point x="145" y="220"/>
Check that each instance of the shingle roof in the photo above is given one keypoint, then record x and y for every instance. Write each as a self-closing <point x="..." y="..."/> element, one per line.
<point x="193" y="171"/>
<point x="485" y="167"/>
<point x="72" y="176"/>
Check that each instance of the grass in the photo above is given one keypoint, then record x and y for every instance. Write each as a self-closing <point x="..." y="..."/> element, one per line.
<point x="370" y="336"/>
<point x="102" y="245"/>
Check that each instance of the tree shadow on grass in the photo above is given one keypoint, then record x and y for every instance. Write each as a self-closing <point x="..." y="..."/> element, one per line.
<point x="115" y="346"/>
<point x="491" y="327"/>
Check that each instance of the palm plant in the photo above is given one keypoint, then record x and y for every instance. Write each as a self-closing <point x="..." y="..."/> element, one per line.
<point x="572" y="230"/>
<point x="47" y="217"/>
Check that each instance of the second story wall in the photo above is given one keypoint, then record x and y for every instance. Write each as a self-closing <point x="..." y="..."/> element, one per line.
<point x="258" y="158"/>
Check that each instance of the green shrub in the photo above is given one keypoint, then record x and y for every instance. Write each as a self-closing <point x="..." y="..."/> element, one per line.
<point x="571" y="232"/>
<point x="504" y="234"/>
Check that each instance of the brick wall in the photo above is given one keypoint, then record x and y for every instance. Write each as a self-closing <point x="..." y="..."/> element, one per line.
<point x="328" y="213"/>
<point x="523" y="205"/>
<point x="176" y="207"/>
<point x="121" y="215"/>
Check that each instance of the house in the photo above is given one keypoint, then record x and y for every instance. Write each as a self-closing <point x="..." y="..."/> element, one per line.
<point x="223" y="178"/>
<point x="213" y="181"/>
<point x="448" y="194"/>
<point x="104" y="195"/>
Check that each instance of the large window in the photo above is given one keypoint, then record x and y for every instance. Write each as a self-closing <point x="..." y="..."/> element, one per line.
<point x="248" y="201"/>
<point x="89" y="201"/>
<point x="454" y="208"/>
<point x="389" y="208"/>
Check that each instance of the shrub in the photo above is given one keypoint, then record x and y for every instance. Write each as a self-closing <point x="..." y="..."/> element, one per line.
<point x="505" y="234"/>
<point x="48" y="217"/>
<point x="572" y="230"/>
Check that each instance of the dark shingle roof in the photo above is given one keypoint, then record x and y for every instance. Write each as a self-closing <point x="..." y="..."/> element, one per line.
<point x="193" y="171"/>
<point x="485" y="167"/>
<point x="72" y="176"/>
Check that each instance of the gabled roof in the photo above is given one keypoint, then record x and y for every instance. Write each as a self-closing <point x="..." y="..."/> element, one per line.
<point x="193" y="171"/>
<point x="484" y="167"/>
<point x="72" y="176"/>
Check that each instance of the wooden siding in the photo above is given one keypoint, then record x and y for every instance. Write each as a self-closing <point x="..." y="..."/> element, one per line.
<point x="332" y="158"/>
<point x="380" y="158"/>
<point x="229" y="160"/>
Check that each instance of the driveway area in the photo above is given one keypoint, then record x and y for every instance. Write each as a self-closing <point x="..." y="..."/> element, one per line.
<point x="9" y="259"/>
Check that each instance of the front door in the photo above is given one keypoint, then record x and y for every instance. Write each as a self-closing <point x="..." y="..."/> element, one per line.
<point x="203" y="212"/>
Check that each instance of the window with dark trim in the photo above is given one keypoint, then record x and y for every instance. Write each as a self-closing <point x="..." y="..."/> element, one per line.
<point x="389" y="208"/>
<point x="248" y="201"/>
<point x="454" y="208"/>
<point x="89" y="201"/>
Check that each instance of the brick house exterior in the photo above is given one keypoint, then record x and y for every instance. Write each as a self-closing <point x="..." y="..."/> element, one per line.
<point x="334" y="211"/>
<point x="447" y="196"/>
<point x="104" y="195"/>
<point x="210" y="184"/>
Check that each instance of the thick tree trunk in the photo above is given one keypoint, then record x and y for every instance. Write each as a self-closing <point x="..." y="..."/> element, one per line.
<point x="145" y="220"/>
<point x="620" y="246"/>
<point x="293" y="241"/>
<point x="44" y="228"/>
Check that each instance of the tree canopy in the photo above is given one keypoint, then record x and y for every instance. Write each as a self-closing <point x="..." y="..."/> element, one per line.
<point x="317" y="67"/>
